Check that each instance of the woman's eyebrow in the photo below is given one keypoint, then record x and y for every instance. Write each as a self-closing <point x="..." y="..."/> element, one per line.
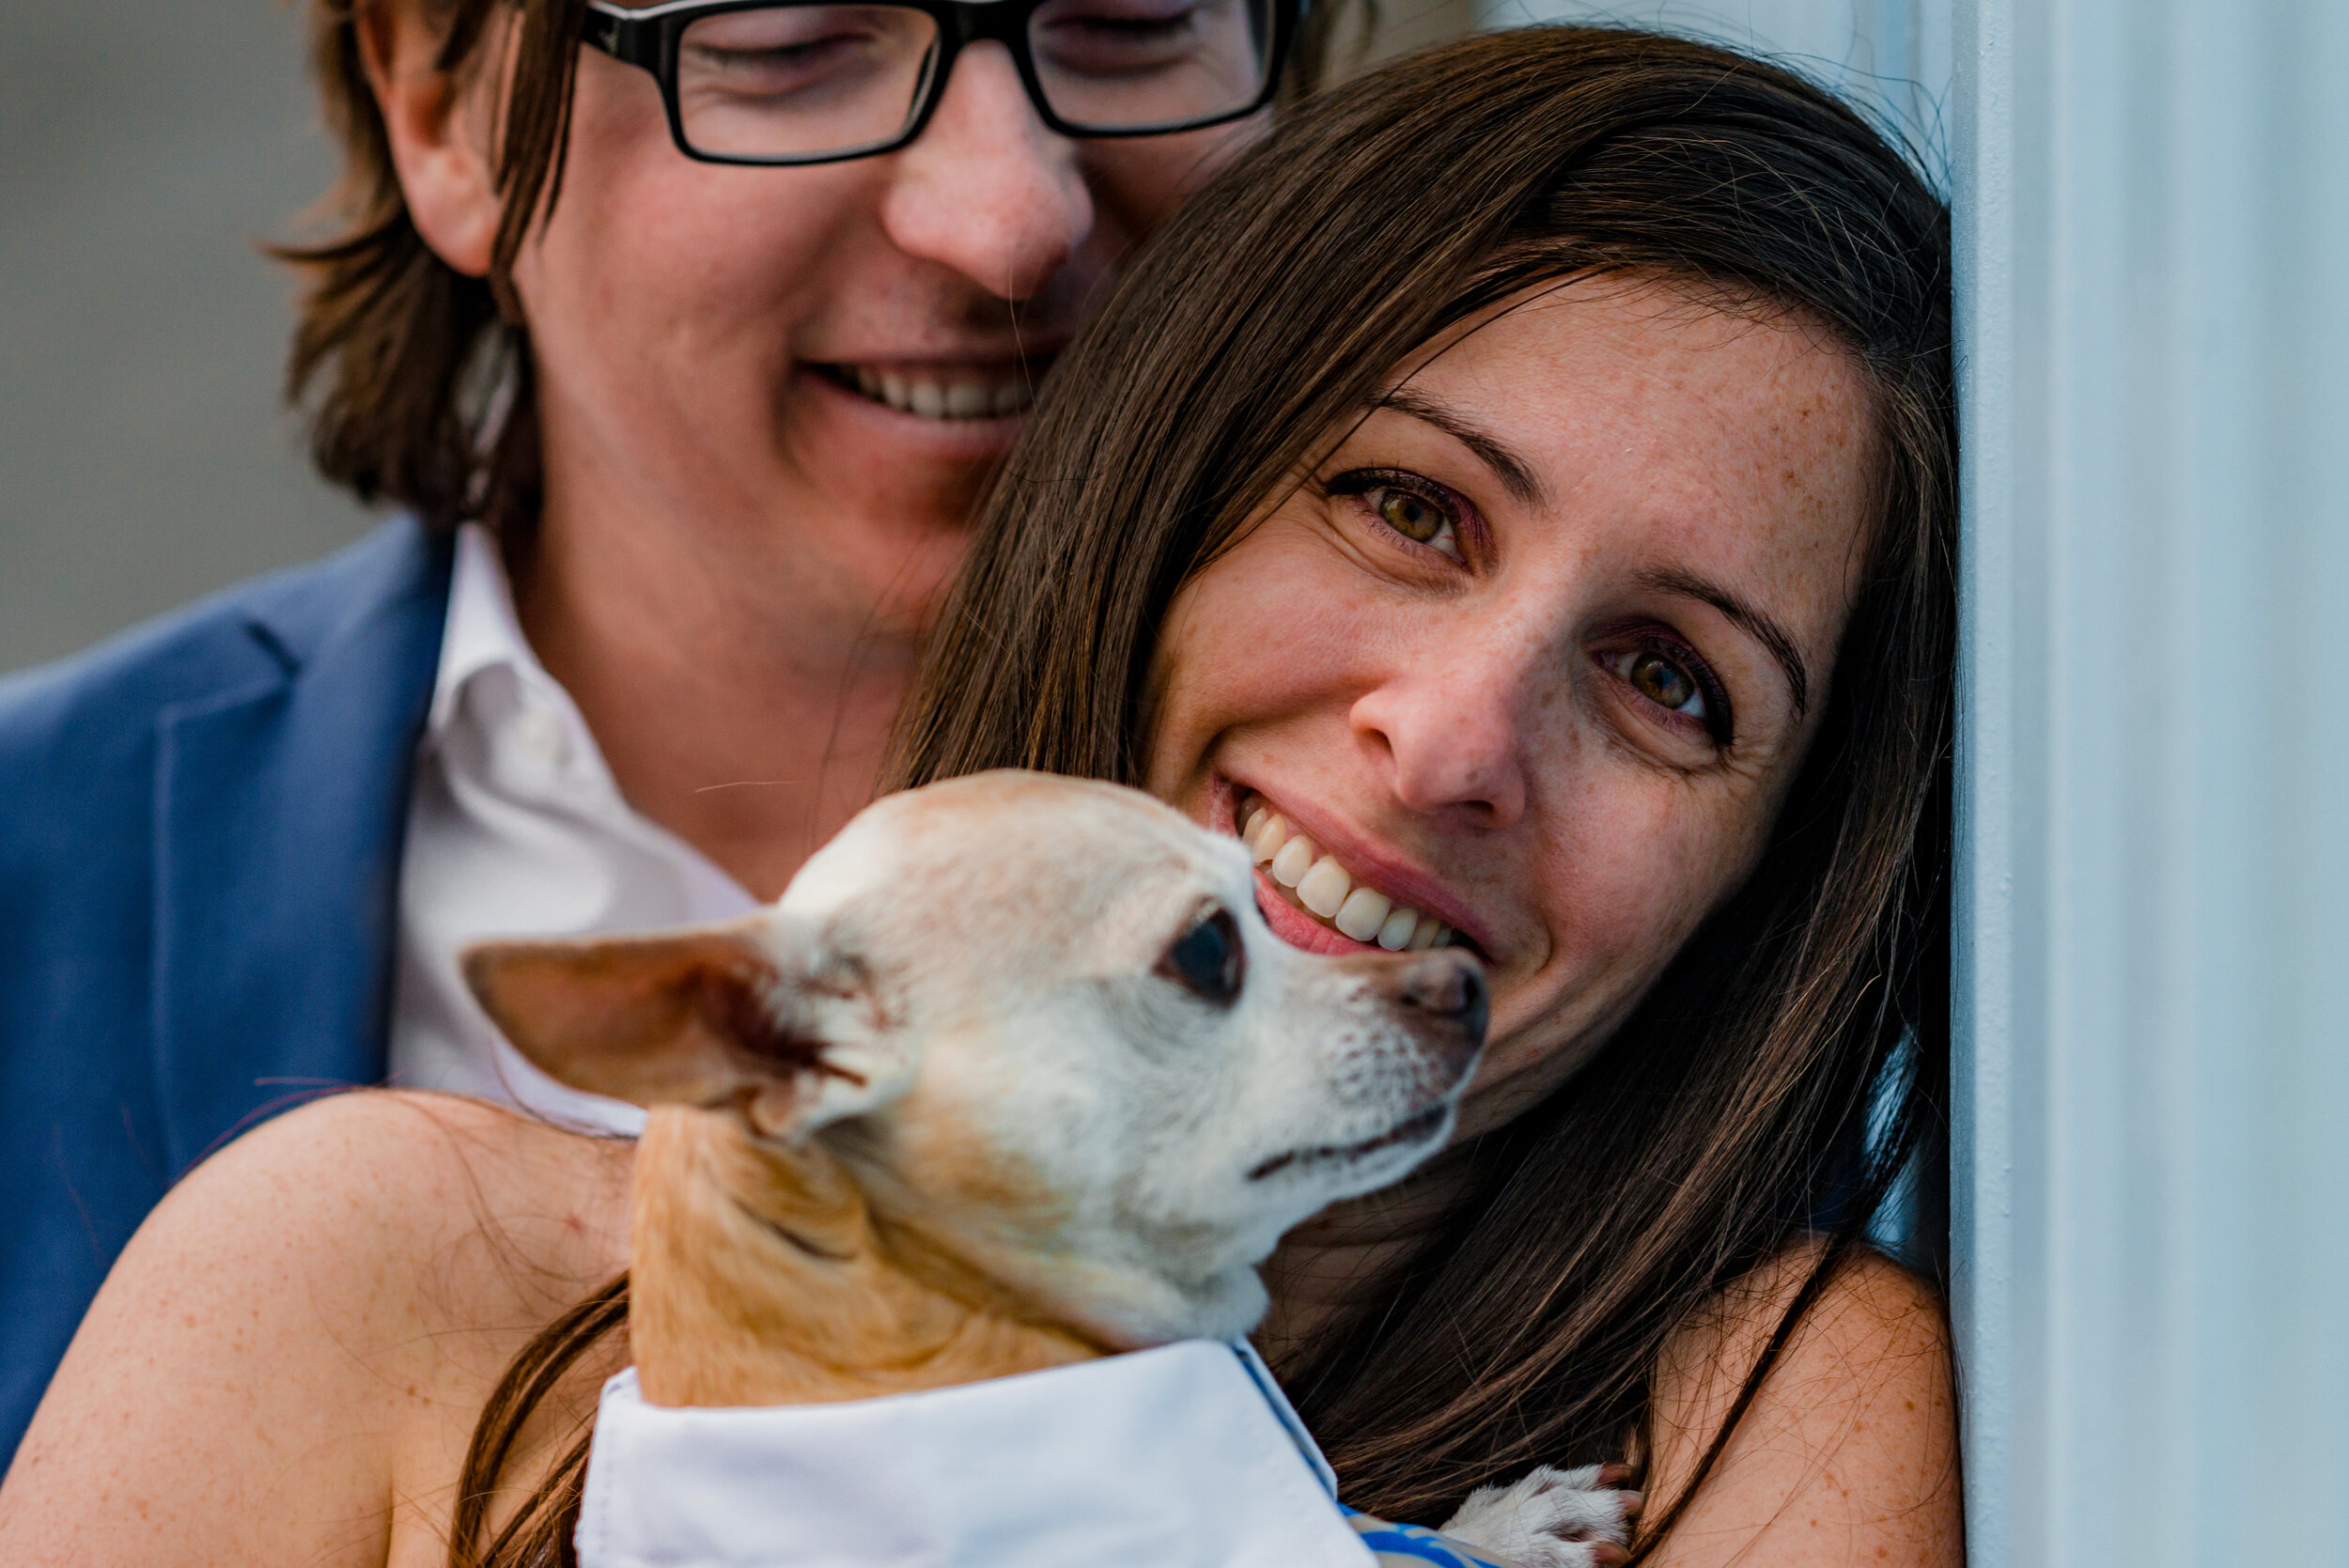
<point x="1515" y="473"/>
<point x="1763" y="631"/>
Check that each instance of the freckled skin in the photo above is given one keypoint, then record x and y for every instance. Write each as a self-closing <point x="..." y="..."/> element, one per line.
<point x="1454" y="714"/>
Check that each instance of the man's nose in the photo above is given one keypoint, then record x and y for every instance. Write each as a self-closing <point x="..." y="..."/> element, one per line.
<point x="1454" y="737"/>
<point x="986" y="188"/>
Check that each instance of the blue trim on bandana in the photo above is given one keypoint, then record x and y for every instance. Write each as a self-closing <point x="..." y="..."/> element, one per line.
<point x="1402" y="1546"/>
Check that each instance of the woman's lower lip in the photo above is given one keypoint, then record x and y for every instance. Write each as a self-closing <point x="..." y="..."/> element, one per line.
<point x="1299" y="929"/>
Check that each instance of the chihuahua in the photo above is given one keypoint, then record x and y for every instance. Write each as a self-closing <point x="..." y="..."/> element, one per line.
<point x="1013" y="1075"/>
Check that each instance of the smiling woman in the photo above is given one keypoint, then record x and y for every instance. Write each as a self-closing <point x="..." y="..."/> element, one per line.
<point x="1520" y="502"/>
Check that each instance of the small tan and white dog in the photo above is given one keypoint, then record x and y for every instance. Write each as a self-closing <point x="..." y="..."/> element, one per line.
<point x="1013" y="1075"/>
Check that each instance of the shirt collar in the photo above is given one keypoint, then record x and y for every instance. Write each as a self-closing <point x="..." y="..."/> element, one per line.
<point x="484" y="632"/>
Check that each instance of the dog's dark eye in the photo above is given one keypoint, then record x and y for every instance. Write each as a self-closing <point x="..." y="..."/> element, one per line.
<point x="1207" y="960"/>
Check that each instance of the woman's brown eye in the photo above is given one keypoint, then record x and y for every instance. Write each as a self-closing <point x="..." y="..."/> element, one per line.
<point x="1675" y="684"/>
<point x="1408" y="516"/>
<point x="1424" y="514"/>
<point x="1666" y="683"/>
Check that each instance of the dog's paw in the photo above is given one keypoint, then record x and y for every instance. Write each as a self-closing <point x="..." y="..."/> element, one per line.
<point x="1552" y="1518"/>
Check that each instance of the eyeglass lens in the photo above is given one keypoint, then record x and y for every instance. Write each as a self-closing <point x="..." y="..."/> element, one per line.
<point x="802" y="81"/>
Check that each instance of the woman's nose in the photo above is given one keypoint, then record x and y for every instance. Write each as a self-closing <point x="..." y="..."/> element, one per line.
<point x="1453" y="739"/>
<point x="986" y="188"/>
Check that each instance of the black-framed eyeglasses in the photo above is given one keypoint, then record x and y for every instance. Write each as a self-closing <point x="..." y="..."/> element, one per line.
<point x="815" y="82"/>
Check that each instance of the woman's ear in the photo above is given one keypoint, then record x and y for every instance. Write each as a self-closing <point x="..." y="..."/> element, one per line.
<point x="438" y="124"/>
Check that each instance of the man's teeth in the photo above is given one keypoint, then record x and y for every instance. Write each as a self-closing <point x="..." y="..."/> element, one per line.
<point x="1325" y="889"/>
<point x="933" y="397"/>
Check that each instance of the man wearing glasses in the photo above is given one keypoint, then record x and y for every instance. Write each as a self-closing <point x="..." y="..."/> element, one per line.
<point x="685" y="337"/>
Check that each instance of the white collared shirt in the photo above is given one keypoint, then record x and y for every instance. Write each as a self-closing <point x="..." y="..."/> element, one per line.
<point x="516" y="829"/>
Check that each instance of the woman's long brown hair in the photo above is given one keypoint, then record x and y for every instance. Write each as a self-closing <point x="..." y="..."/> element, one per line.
<point x="1730" y="1119"/>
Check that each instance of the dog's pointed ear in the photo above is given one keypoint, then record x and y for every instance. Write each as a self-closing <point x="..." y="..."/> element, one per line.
<point x="756" y="1014"/>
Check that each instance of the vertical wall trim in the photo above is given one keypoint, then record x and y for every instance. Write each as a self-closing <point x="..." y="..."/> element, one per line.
<point x="1981" y="1184"/>
<point x="2153" y="1002"/>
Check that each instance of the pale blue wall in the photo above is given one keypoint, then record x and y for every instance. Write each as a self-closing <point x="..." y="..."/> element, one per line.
<point x="2153" y="208"/>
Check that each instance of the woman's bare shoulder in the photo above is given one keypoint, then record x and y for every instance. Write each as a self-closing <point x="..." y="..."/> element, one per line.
<point x="326" y="1298"/>
<point x="1849" y="1451"/>
<point x="427" y="1202"/>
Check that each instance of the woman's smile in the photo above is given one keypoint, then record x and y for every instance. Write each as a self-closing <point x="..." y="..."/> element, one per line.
<point x="1346" y="908"/>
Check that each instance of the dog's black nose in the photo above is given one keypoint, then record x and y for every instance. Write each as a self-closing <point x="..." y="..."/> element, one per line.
<point x="1449" y="984"/>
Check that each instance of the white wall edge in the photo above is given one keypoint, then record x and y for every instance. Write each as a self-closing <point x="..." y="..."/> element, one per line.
<point x="1982" y="1177"/>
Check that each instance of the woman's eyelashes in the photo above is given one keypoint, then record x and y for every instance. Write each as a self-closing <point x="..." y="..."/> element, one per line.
<point x="1674" y="678"/>
<point x="1424" y="512"/>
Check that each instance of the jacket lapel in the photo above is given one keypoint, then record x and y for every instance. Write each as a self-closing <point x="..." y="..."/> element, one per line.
<point x="279" y="807"/>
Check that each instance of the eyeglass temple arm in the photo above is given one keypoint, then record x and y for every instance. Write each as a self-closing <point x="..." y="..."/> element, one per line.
<point x="621" y="32"/>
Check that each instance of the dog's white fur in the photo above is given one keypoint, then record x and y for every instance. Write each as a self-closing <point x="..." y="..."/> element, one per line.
<point x="969" y="1092"/>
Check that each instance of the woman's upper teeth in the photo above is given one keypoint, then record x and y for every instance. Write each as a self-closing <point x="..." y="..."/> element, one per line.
<point x="931" y="396"/>
<point x="1327" y="889"/>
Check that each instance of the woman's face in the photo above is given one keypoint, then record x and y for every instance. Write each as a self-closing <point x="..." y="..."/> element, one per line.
<point x="1536" y="652"/>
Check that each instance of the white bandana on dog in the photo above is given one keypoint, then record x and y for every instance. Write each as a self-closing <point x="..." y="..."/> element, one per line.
<point x="1184" y="1456"/>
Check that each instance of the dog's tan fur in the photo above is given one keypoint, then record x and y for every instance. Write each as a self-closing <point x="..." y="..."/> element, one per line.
<point x="761" y="1276"/>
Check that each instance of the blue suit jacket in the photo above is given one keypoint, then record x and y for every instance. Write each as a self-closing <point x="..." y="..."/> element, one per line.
<point x="200" y="831"/>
